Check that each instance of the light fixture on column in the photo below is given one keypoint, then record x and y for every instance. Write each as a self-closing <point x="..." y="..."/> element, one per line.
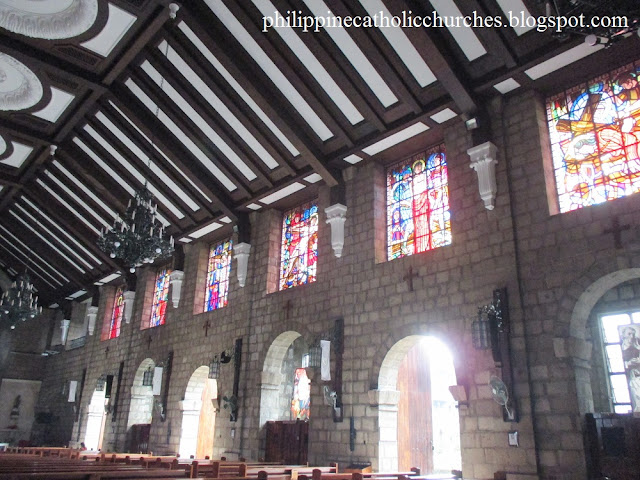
<point x="214" y="368"/>
<point x="18" y="304"/>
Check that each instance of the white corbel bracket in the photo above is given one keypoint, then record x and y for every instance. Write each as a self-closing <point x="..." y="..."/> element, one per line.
<point x="483" y="161"/>
<point x="336" y="216"/>
<point x="129" y="297"/>
<point x="241" y="251"/>
<point x="175" y="280"/>
<point x="92" y="314"/>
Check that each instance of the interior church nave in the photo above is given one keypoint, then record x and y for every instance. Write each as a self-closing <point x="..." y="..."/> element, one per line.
<point x="386" y="246"/>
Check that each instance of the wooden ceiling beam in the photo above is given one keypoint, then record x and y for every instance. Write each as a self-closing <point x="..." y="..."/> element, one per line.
<point x="437" y="58"/>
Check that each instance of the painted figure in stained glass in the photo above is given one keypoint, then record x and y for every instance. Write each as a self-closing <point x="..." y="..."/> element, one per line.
<point x="116" y="315"/>
<point x="418" y="204"/>
<point x="160" y="298"/>
<point x="301" y="402"/>
<point x="299" y="249"/>
<point x="218" y="272"/>
<point x="630" y="344"/>
<point x="595" y="137"/>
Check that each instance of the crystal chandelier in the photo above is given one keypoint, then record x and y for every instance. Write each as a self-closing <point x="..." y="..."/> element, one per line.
<point x="18" y="303"/>
<point x="136" y="238"/>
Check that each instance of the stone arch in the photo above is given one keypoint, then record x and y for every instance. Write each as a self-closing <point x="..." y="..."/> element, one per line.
<point x="585" y="294"/>
<point x="272" y="377"/>
<point x="141" y="405"/>
<point x="386" y="396"/>
<point x="193" y="406"/>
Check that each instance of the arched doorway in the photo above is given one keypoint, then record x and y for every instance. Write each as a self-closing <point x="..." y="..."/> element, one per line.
<point x="419" y="421"/>
<point x="96" y="418"/>
<point x="199" y="415"/>
<point x="284" y="413"/>
<point x="140" y="408"/>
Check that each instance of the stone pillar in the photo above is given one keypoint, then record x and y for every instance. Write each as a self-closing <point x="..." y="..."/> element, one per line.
<point x="387" y="403"/>
<point x="129" y="297"/>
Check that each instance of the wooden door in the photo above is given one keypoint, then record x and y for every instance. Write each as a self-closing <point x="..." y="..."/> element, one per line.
<point x="287" y="442"/>
<point x="207" y="422"/>
<point x="415" y="447"/>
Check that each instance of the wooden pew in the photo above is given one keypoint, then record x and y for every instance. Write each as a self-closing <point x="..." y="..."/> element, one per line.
<point x="218" y="469"/>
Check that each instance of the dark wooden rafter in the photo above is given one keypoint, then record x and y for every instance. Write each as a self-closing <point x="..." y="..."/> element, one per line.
<point x="215" y="82"/>
<point x="172" y="148"/>
<point x="250" y="23"/>
<point x="141" y="167"/>
<point x="438" y="60"/>
<point x="380" y="61"/>
<point x="189" y="129"/>
<point x="300" y="139"/>
<point x="372" y="119"/>
<point x="215" y="122"/>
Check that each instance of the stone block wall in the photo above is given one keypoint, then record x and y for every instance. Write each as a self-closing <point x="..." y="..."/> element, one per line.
<point x="555" y="268"/>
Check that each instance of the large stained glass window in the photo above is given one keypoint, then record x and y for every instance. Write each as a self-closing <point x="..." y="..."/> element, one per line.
<point x="418" y="217"/>
<point x="299" y="252"/>
<point x="160" y="298"/>
<point x="116" y="315"/>
<point x="218" y="271"/>
<point x="595" y="130"/>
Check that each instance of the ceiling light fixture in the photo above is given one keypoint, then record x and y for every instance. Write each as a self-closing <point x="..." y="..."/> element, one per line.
<point x="18" y="304"/>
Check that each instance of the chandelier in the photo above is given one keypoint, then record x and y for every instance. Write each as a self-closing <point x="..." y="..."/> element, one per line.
<point x="18" y="303"/>
<point x="138" y="237"/>
<point x="603" y="22"/>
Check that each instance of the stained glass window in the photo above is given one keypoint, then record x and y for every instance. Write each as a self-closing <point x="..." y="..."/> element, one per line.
<point x="301" y="402"/>
<point x="218" y="272"/>
<point x="160" y="298"/>
<point x="595" y="130"/>
<point x="299" y="252"/>
<point x="116" y="315"/>
<point x="418" y="217"/>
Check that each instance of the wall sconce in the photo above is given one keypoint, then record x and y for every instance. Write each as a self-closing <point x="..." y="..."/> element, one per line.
<point x="100" y="383"/>
<point x="214" y="368"/>
<point x="481" y="331"/>
<point x="147" y="378"/>
<point x="315" y="356"/>
<point x="227" y="355"/>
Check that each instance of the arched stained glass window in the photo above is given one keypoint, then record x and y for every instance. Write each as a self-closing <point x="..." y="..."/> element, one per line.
<point x="116" y="315"/>
<point x="299" y="251"/>
<point x="160" y="298"/>
<point x="218" y="271"/>
<point x="418" y="217"/>
<point x="595" y="132"/>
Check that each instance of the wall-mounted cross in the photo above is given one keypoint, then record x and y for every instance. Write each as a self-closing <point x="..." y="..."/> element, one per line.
<point x="409" y="278"/>
<point x="617" y="230"/>
<point x="287" y="309"/>
<point x="206" y="327"/>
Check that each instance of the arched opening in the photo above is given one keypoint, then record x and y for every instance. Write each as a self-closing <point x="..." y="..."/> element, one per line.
<point x="140" y="408"/>
<point x="418" y="418"/>
<point x="199" y="415"/>
<point x="96" y="418"/>
<point x="284" y="401"/>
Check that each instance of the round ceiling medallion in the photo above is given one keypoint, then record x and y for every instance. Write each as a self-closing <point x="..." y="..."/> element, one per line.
<point x="48" y="19"/>
<point x="20" y="88"/>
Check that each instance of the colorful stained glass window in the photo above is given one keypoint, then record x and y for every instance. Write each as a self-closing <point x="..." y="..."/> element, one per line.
<point x="299" y="252"/>
<point x="418" y="217"/>
<point x="218" y="271"/>
<point x="116" y="315"/>
<point x="160" y="298"/>
<point x="301" y="402"/>
<point x="595" y="133"/>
